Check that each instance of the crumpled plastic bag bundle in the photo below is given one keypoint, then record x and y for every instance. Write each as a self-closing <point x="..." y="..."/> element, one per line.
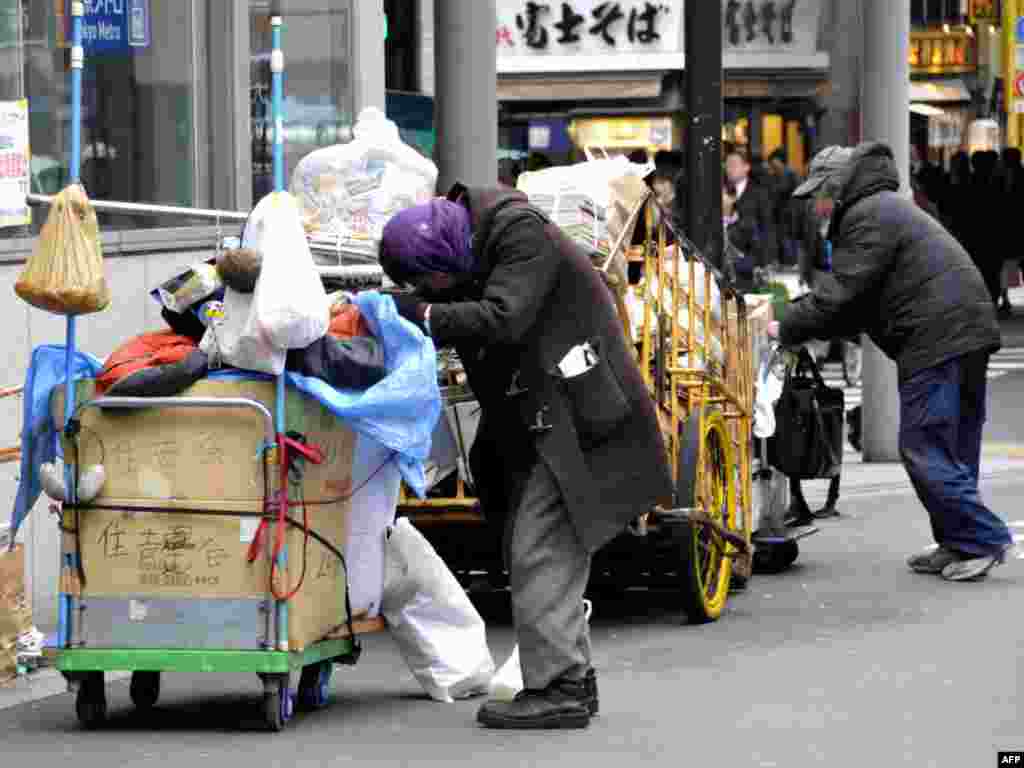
<point x="65" y="272"/>
<point x="350" y="191"/>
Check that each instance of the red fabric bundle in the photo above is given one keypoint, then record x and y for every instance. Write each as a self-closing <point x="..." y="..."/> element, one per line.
<point x="145" y="351"/>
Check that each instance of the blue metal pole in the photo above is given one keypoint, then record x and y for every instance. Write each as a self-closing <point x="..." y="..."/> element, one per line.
<point x="64" y="629"/>
<point x="277" y="114"/>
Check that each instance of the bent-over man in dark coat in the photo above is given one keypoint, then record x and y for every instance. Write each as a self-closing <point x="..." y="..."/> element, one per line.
<point x="901" y="277"/>
<point x="569" y="450"/>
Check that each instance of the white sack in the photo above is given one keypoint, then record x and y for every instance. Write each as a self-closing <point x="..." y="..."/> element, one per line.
<point x="438" y="631"/>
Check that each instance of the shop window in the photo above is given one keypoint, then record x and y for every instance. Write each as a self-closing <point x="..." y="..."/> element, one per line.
<point x="317" y="83"/>
<point x="138" y="100"/>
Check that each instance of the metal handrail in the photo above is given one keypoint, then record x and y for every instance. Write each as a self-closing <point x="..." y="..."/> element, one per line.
<point x="140" y="403"/>
<point x="148" y="209"/>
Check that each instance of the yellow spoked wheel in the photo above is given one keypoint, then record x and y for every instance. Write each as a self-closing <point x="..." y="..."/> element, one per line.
<point x="706" y="481"/>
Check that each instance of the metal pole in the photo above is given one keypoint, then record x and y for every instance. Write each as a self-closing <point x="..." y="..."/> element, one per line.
<point x="466" y="92"/>
<point x="699" y="197"/>
<point x="148" y="209"/>
<point x="277" y="111"/>
<point x="885" y="114"/>
<point x="1011" y="10"/>
<point x="64" y="617"/>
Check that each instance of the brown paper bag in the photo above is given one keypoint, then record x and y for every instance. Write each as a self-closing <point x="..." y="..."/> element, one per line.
<point x="65" y="273"/>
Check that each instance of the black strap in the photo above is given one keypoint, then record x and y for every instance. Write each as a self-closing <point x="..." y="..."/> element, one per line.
<point x="816" y="408"/>
<point x="806" y="361"/>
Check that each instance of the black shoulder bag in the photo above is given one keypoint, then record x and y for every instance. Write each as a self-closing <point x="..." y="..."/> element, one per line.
<point x="808" y="439"/>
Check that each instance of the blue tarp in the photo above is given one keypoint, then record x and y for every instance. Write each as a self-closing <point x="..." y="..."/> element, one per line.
<point x="400" y="412"/>
<point x="39" y="443"/>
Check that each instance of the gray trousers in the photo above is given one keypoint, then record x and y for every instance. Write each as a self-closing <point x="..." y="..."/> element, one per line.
<point x="548" y="573"/>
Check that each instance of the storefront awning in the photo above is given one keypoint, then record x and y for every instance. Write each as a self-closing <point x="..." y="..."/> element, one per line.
<point x="949" y="90"/>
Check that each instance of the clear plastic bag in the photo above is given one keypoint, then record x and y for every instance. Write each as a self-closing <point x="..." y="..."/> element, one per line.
<point x="65" y="272"/>
<point x="352" y="190"/>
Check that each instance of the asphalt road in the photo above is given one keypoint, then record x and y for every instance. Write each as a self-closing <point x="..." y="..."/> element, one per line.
<point x="847" y="659"/>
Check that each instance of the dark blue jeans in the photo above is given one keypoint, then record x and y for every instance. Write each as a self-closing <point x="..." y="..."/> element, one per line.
<point x="942" y="412"/>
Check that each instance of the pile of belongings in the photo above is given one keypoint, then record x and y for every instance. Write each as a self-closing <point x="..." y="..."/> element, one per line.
<point x="224" y="313"/>
<point x="348" y="192"/>
<point x="595" y="203"/>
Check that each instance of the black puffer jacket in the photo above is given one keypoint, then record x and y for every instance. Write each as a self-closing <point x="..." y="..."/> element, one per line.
<point x="897" y="275"/>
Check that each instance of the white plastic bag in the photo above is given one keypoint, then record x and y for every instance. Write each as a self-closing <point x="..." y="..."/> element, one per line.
<point x="290" y="306"/>
<point x="233" y="339"/>
<point x="351" y="190"/>
<point x="438" y="631"/>
<point x="508" y="681"/>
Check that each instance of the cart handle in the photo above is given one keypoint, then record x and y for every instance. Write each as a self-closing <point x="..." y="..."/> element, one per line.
<point x="140" y="403"/>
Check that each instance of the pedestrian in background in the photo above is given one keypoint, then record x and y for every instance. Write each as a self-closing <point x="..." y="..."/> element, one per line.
<point x="899" y="276"/>
<point x="753" y="230"/>
<point x="787" y="210"/>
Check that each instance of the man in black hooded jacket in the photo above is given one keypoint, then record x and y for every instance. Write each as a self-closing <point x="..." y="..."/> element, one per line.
<point x="899" y="276"/>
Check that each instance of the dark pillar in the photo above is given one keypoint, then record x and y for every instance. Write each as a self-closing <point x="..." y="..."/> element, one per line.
<point x="700" y="195"/>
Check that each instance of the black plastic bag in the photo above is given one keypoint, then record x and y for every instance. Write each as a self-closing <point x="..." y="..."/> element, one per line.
<point x="809" y="416"/>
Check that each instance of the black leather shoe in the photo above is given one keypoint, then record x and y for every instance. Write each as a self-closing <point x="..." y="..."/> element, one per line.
<point x="563" y="704"/>
<point x="590" y="700"/>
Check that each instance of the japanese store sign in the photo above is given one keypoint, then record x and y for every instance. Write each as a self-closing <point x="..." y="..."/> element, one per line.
<point x="771" y="25"/>
<point x="14" y="164"/>
<point x="632" y="34"/>
<point x="588" y="27"/>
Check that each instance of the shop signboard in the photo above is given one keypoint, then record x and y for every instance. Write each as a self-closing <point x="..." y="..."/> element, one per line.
<point x="611" y="34"/>
<point x="771" y="26"/>
<point x="15" y="163"/>
<point x="644" y="35"/>
<point x="108" y="26"/>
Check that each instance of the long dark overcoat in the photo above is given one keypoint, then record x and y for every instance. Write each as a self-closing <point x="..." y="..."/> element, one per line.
<point x="535" y="296"/>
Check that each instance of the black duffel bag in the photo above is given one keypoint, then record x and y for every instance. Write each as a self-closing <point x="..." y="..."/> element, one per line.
<point x="808" y="439"/>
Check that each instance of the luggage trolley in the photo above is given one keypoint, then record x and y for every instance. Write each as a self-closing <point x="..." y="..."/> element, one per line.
<point x="189" y="598"/>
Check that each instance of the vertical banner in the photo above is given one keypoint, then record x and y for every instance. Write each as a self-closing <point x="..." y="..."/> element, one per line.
<point x="14" y="164"/>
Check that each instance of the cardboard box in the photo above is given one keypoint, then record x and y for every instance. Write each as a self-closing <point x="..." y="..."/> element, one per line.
<point x="15" y="612"/>
<point x="182" y="500"/>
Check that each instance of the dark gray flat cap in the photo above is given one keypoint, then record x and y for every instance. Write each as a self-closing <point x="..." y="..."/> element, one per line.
<point x="827" y="164"/>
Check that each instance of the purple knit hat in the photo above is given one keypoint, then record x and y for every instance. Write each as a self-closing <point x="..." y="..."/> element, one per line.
<point x="432" y="237"/>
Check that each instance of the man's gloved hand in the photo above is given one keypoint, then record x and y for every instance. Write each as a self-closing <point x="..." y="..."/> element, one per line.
<point x="412" y="309"/>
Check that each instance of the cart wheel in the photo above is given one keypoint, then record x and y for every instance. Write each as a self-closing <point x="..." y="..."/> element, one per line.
<point x="705" y="568"/>
<point x="278" y="704"/>
<point x="145" y="690"/>
<point x="91" y="701"/>
<point x="315" y="686"/>
<point x="775" y="558"/>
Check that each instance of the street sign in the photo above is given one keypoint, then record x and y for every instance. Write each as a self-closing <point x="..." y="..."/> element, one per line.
<point x="108" y="26"/>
